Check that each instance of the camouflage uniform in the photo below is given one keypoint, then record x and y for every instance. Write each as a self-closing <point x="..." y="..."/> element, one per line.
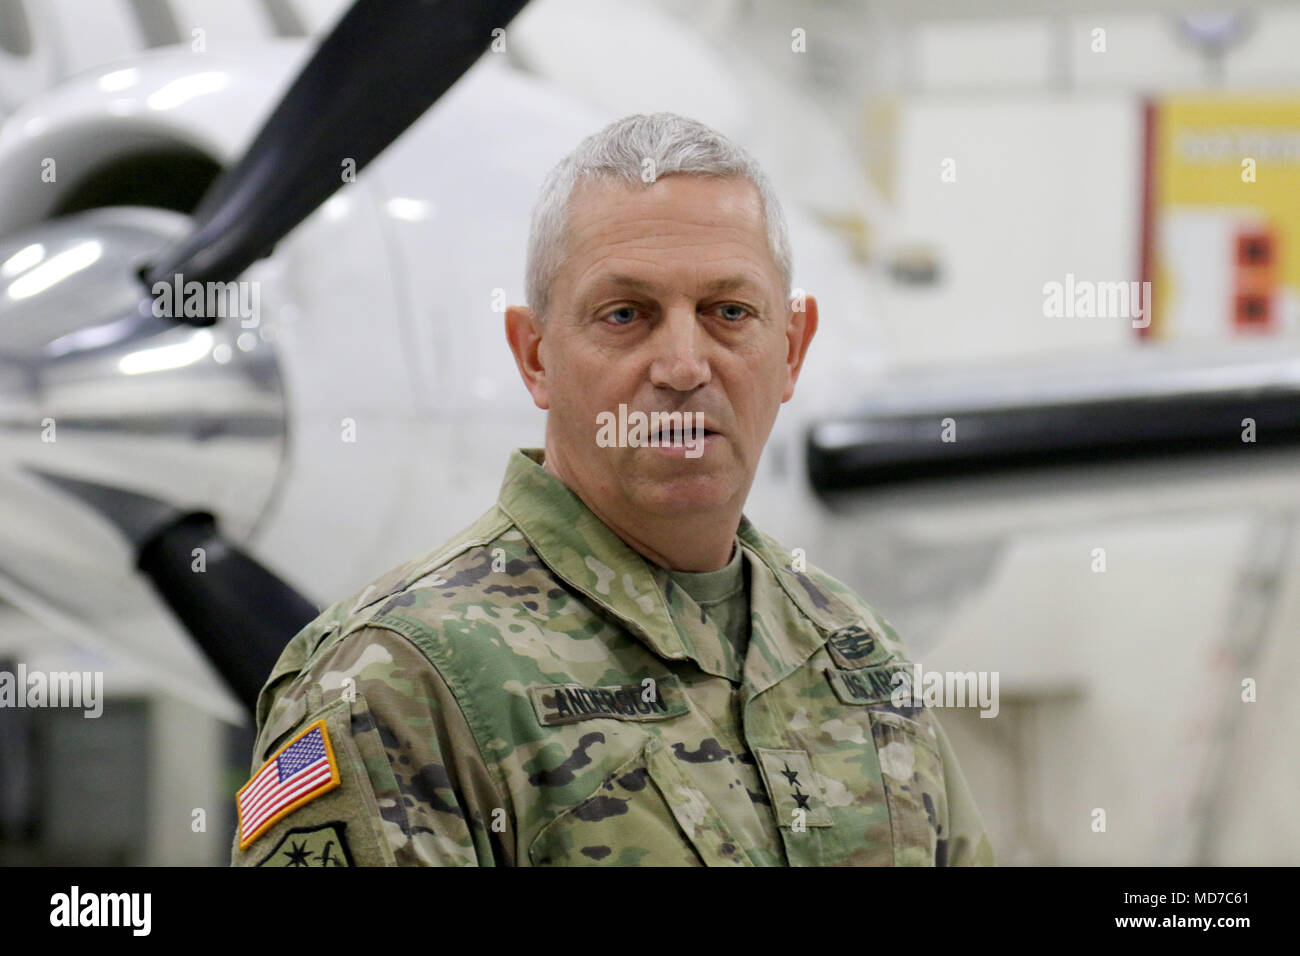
<point x="528" y="695"/>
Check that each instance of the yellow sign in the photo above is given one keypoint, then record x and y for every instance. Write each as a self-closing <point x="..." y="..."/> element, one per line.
<point x="1221" y="217"/>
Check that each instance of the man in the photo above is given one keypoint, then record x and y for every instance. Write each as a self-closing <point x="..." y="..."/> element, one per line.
<point x="613" y="666"/>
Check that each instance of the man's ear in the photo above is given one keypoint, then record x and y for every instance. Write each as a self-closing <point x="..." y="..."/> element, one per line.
<point x="524" y="333"/>
<point x="799" y="335"/>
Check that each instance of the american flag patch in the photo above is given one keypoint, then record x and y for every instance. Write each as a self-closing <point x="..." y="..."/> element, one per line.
<point x="299" y="772"/>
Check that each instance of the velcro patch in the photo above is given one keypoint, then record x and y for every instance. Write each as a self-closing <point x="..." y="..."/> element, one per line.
<point x="856" y="646"/>
<point x="870" y="685"/>
<point x="655" y="698"/>
<point x="296" y="774"/>
<point x="324" y="845"/>
<point x="797" y="797"/>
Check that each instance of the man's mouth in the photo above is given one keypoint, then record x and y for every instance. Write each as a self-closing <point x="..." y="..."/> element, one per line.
<point x="668" y="436"/>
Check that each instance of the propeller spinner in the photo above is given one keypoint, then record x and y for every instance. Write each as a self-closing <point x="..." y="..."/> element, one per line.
<point x="167" y="424"/>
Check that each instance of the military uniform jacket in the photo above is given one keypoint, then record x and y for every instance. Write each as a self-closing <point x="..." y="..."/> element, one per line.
<point x="537" y="693"/>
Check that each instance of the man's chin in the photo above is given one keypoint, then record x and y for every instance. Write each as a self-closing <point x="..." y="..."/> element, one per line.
<point x="683" y="494"/>
<point x="688" y="449"/>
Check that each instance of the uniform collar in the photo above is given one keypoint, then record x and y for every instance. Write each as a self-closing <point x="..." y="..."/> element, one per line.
<point x="583" y="551"/>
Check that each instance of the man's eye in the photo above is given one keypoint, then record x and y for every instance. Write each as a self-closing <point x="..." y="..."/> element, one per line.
<point x="622" y="316"/>
<point x="732" y="312"/>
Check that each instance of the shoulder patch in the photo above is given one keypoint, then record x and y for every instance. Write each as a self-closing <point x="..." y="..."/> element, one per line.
<point x="296" y="774"/>
<point x="323" y="845"/>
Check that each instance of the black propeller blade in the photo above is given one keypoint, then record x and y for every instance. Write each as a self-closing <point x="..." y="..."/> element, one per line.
<point x="240" y="613"/>
<point x="382" y="66"/>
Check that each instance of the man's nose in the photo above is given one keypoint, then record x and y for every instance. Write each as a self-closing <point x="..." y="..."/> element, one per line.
<point x="679" y="344"/>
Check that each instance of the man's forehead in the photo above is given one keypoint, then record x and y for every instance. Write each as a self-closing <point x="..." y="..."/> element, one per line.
<point x="626" y="277"/>
<point x="685" y="200"/>
<point x="621" y="235"/>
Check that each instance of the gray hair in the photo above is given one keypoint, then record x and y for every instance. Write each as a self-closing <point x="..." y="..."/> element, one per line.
<point x="665" y="143"/>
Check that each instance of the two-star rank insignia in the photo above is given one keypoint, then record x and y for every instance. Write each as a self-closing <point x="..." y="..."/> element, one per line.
<point x="796" y="794"/>
<point x="324" y="845"/>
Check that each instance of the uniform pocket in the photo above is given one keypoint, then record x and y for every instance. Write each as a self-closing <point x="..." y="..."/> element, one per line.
<point x="644" y="813"/>
<point x="912" y="771"/>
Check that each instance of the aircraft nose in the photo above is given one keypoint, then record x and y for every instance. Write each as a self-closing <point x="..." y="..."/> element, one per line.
<point x="99" y="391"/>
